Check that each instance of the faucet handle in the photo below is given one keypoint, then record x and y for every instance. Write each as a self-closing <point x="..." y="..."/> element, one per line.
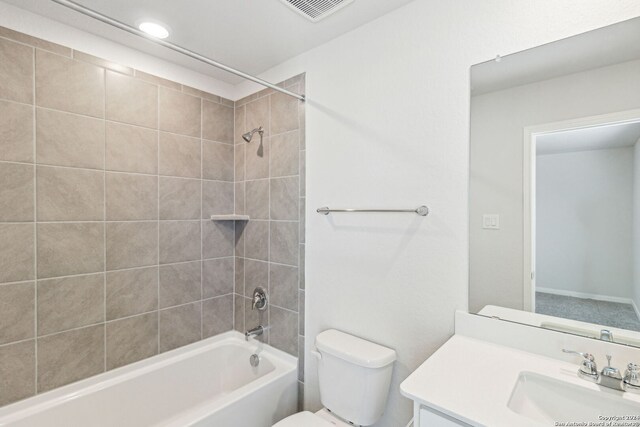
<point x="633" y="368"/>
<point x="610" y="371"/>
<point x="632" y="377"/>
<point x="259" y="299"/>
<point x="587" y="356"/>
<point x="588" y="366"/>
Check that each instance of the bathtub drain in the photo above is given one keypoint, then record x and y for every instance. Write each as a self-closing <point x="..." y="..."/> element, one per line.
<point x="254" y="360"/>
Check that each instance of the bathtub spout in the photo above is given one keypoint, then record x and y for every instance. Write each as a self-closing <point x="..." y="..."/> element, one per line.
<point x="257" y="331"/>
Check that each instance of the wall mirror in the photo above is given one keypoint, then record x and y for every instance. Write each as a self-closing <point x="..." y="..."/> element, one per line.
<point x="554" y="221"/>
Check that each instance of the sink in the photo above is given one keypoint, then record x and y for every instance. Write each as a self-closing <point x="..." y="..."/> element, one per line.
<point x="548" y="400"/>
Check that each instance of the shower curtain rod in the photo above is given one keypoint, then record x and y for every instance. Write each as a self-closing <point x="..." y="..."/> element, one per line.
<point x="115" y="23"/>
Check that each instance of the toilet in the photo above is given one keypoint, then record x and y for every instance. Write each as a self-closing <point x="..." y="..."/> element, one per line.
<point x="354" y="377"/>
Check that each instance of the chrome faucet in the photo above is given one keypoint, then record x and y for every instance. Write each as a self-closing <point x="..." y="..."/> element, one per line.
<point x="588" y="368"/>
<point x="632" y="378"/>
<point x="606" y="335"/>
<point x="259" y="302"/>
<point x="254" y="332"/>
<point x="609" y="376"/>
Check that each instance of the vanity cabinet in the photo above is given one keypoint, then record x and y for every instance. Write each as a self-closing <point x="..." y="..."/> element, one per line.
<point x="428" y="417"/>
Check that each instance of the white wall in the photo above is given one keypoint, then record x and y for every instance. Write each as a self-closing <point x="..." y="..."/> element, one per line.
<point x="38" y="26"/>
<point x="388" y="125"/>
<point x="584" y="219"/>
<point x="497" y="123"/>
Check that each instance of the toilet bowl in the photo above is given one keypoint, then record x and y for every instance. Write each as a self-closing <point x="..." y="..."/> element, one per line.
<point x="354" y="376"/>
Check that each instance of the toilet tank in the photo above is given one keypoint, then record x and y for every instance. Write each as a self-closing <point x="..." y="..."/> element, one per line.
<point x="354" y="376"/>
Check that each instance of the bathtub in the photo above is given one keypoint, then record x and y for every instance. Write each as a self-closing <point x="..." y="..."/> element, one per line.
<point x="206" y="384"/>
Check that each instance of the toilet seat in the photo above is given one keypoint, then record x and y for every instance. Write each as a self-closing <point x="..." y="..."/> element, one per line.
<point x="322" y="418"/>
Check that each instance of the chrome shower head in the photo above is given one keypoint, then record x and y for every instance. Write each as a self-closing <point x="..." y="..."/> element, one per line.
<point x="247" y="136"/>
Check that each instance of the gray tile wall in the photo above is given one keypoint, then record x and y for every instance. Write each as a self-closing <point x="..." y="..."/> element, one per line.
<point x="107" y="178"/>
<point x="270" y="188"/>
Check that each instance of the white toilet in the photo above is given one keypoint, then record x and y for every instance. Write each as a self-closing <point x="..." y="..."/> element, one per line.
<point x="354" y="377"/>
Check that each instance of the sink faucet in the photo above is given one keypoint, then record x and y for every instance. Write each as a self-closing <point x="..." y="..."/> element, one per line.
<point x="609" y="376"/>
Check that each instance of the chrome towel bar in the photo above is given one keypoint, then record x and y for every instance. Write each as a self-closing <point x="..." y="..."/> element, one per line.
<point x="420" y="210"/>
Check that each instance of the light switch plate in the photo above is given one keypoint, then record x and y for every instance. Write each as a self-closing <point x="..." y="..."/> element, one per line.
<point x="491" y="222"/>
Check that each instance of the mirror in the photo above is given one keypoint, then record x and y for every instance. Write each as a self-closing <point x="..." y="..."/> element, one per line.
<point x="554" y="209"/>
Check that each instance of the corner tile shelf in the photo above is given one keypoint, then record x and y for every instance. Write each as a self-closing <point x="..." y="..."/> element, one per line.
<point x="232" y="217"/>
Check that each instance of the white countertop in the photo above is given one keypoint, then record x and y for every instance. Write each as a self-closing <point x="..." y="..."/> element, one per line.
<point x="472" y="380"/>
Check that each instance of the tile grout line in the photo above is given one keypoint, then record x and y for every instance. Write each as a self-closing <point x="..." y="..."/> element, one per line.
<point x="158" y="229"/>
<point x="298" y="243"/>
<point x="93" y="273"/>
<point x="303" y="221"/>
<point x="235" y="225"/>
<point x="132" y="221"/>
<point x="300" y="231"/>
<point x="102" y="323"/>
<point x="244" y="236"/>
<point x="104" y="224"/>
<point x="20" y="282"/>
<point x="20" y="341"/>
<point x="270" y="262"/>
<point x="201" y="214"/>
<point x="35" y="223"/>
<point x="117" y="172"/>
<point x="243" y="127"/>
<point x="269" y="100"/>
<point x="274" y="177"/>
<point x="244" y="202"/>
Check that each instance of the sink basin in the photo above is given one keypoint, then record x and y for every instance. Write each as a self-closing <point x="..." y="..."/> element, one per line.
<point x="548" y="400"/>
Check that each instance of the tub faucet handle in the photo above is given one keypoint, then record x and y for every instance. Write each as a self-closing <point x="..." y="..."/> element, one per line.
<point x="259" y="299"/>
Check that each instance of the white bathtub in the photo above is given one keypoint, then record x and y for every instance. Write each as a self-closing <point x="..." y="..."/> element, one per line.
<point x="209" y="383"/>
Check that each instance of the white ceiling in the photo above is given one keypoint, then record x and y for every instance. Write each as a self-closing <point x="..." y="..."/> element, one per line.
<point x="592" y="138"/>
<point x="250" y="35"/>
<point x="605" y="46"/>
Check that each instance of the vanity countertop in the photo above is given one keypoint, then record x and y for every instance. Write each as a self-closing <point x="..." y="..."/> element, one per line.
<point x="472" y="381"/>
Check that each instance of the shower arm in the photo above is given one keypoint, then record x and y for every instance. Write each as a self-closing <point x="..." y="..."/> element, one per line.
<point x="121" y="25"/>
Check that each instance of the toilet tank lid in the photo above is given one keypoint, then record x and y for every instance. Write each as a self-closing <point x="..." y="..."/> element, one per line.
<point x="354" y="350"/>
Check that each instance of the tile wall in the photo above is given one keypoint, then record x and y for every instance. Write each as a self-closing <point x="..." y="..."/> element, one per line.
<point x="270" y="188"/>
<point x="107" y="178"/>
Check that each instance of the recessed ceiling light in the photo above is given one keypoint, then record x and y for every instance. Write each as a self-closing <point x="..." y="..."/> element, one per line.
<point x="154" y="29"/>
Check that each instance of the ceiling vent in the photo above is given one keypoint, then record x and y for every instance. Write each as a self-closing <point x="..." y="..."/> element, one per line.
<point x="315" y="10"/>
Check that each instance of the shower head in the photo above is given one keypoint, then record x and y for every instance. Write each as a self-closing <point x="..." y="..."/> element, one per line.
<point x="247" y="136"/>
